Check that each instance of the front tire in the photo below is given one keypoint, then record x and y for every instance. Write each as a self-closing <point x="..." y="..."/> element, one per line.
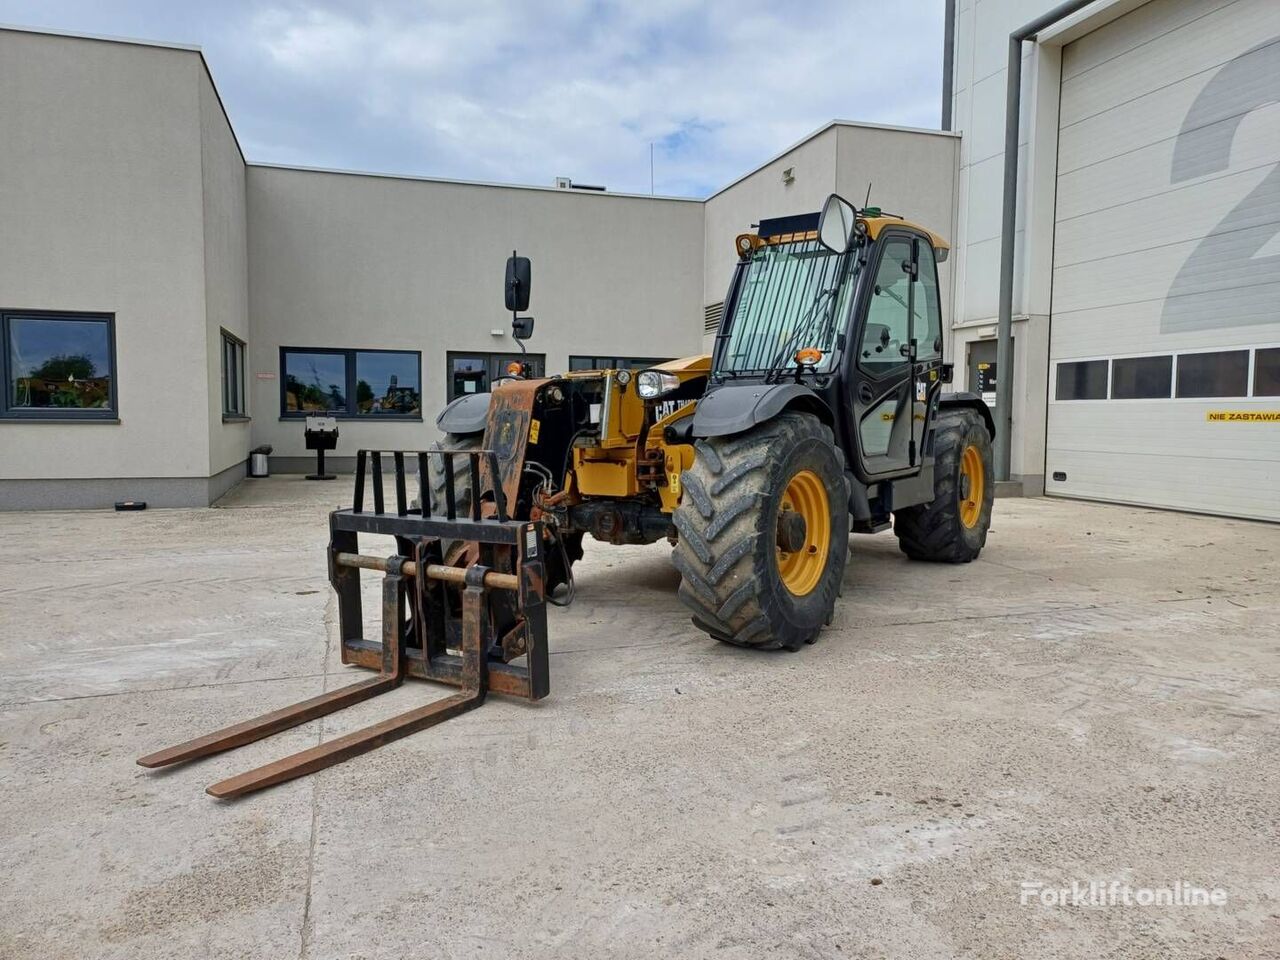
<point x="953" y="527"/>
<point x="751" y="574"/>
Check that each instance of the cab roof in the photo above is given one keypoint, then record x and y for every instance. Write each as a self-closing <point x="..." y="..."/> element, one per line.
<point x="804" y="226"/>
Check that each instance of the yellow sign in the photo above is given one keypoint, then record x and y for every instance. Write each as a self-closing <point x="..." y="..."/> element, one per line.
<point x="534" y="427"/>
<point x="1243" y="416"/>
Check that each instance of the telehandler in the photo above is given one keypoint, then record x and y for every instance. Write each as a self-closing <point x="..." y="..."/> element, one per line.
<point x="819" y="412"/>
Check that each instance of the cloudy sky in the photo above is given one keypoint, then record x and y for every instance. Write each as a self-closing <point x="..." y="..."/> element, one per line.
<point x="523" y="92"/>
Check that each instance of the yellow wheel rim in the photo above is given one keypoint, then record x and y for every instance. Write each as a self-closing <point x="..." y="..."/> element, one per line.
<point x="973" y="483"/>
<point x="802" y="569"/>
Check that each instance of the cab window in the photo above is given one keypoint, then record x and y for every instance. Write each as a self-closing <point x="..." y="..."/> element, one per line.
<point x="886" y="329"/>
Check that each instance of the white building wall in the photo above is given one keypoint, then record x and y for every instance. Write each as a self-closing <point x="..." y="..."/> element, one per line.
<point x="101" y="210"/>
<point x="226" y="272"/>
<point x="358" y="261"/>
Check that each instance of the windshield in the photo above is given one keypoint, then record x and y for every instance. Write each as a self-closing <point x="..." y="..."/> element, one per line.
<point x="793" y="295"/>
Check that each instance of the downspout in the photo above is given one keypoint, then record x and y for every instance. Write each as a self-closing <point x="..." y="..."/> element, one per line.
<point x="1008" y="222"/>
<point x="948" y="61"/>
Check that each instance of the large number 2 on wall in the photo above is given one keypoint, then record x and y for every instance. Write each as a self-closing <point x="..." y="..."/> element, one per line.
<point x="1222" y="284"/>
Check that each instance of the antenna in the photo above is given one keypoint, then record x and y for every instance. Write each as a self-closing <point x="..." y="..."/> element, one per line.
<point x="651" y="168"/>
<point x="867" y="202"/>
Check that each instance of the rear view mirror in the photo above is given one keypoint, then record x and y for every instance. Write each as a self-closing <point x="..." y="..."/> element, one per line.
<point x="836" y="224"/>
<point x="519" y="278"/>
<point x="522" y="327"/>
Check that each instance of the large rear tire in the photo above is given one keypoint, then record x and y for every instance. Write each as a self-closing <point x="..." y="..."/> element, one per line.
<point x="751" y="574"/>
<point x="953" y="528"/>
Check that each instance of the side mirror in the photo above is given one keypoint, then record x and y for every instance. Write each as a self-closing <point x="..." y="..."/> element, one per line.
<point x="519" y="280"/>
<point x="522" y="327"/>
<point x="836" y="224"/>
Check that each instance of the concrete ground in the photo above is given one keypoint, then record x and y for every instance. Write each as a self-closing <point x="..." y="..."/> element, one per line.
<point x="1096" y="699"/>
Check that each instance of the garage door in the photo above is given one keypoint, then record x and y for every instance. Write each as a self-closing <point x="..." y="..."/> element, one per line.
<point x="1164" y="382"/>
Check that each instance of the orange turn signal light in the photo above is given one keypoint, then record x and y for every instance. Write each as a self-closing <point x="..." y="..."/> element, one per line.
<point x="515" y="368"/>
<point x="808" y="356"/>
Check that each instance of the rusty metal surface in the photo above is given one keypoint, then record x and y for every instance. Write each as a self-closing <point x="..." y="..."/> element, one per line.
<point x="507" y="433"/>
<point x="264" y="726"/>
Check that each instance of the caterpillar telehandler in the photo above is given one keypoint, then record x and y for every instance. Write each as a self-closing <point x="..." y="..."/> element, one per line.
<point x="819" y="412"/>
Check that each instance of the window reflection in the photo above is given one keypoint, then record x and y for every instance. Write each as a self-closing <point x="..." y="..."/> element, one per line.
<point x="59" y="363"/>
<point x="315" y="382"/>
<point x="387" y="383"/>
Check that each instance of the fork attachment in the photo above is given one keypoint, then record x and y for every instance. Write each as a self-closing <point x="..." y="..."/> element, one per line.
<point x="459" y="625"/>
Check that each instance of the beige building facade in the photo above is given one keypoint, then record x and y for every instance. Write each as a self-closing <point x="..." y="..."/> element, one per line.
<point x="167" y="306"/>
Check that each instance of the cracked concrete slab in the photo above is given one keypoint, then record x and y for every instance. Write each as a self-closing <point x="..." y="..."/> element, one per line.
<point x="1096" y="698"/>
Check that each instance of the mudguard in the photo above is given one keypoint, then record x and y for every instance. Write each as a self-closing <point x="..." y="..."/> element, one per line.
<point x="733" y="408"/>
<point x="970" y="401"/>
<point x="465" y="415"/>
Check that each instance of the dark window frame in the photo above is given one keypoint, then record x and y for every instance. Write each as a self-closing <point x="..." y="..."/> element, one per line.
<point x="55" y="414"/>
<point x="1242" y="394"/>
<point x="1256" y="367"/>
<point x="241" y="409"/>
<point x="349" y="387"/>
<point x="487" y="356"/>
<point x="1057" y="380"/>
<point x="1168" y="394"/>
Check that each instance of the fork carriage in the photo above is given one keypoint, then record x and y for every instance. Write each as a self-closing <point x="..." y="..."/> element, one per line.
<point x="460" y="625"/>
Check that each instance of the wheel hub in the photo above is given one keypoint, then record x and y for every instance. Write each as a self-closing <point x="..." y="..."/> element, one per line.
<point x="791" y="531"/>
<point x="804" y="533"/>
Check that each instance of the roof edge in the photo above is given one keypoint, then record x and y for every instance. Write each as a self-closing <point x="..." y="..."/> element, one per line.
<point x="337" y="171"/>
<point x="857" y="124"/>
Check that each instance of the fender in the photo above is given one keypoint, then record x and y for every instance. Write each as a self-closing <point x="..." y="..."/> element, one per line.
<point x="969" y="401"/>
<point x="733" y="408"/>
<point x="465" y="415"/>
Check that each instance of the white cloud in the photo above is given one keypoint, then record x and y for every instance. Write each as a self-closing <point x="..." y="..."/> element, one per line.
<point x="527" y="91"/>
<point x="524" y="92"/>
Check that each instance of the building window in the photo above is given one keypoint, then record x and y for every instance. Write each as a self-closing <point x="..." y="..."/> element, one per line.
<point x="1082" y="380"/>
<point x="1266" y="372"/>
<point x="613" y="363"/>
<point x="232" y="376"/>
<point x="386" y="384"/>
<point x="1141" y="378"/>
<point x="58" y="366"/>
<point x="1224" y="374"/>
<point x="476" y="371"/>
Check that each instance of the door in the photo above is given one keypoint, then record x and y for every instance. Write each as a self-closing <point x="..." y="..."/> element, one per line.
<point x="982" y="371"/>
<point x="901" y="340"/>
<point x="1166" y="262"/>
<point x="476" y="372"/>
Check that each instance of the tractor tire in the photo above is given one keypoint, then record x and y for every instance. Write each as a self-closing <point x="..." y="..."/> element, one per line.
<point x="738" y="509"/>
<point x="953" y="528"/>
<point x="461" y="476"/>
<point x="556" y="572"/>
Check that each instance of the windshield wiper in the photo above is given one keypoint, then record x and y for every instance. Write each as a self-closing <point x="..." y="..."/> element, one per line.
<point x="777" y="365"/>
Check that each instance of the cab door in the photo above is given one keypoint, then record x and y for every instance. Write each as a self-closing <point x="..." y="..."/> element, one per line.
<point x="899" y="348"/>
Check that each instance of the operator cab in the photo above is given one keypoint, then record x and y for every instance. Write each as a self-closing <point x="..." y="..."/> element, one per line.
<point x="845" y="302"/>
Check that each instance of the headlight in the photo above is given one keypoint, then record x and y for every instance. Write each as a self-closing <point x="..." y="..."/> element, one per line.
<point x="654" y="383"/>
<point x="624" y="377"/>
